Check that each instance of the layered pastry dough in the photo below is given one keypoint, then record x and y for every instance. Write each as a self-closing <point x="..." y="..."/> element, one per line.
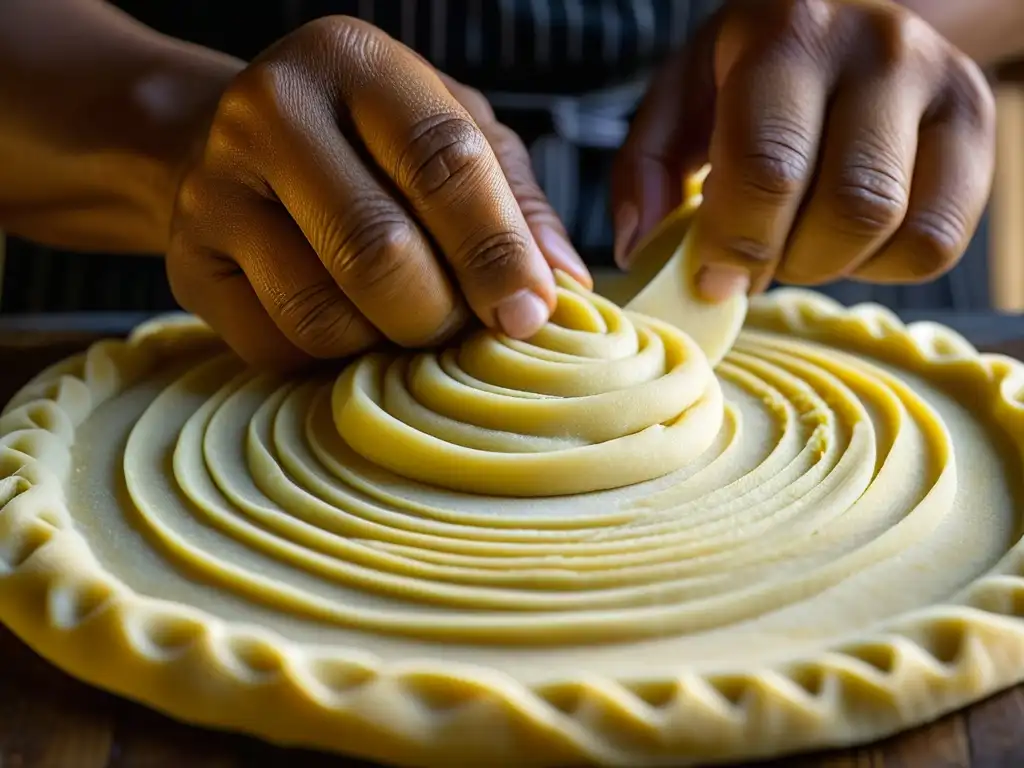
<point x="597" y="399"/>
<point x="814" y="543"/>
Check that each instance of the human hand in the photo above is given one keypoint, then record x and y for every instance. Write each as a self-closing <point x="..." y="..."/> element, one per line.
<point x="348" y="193"/>
<point x="847" y="139"/>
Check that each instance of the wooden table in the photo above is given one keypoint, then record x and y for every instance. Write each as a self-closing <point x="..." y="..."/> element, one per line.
<point x="49" y="720"/>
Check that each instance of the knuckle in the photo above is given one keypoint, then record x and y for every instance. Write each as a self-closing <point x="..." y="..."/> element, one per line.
<point x="248" y="110"/>
<point x="804" y="27"/>
<point x="321" y="325"/>
<point x="938" y="237"/>
<point x="252" y="94"/>
<point x="191" y="200"/>
<point x="372" y="252"/>
<point x="497" y="253"/>
<point x="333" y="25"/>
<point x="346" y="44"/>
<point x="445" y="154"/>
<point x="348" y="32"/>
<point x="230" y="135"/>
<point x="872" y="193"/>
<point x="891" y="41"/>
<point x="895" y="36"/>
<point x="778" y="163"/>
<point x="805" y="15"/>
<point x="968" y="94"/>
<point x="782" y="20"/>
<point x="864" y="204"/>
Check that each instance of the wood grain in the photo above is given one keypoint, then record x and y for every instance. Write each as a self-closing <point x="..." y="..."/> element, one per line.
<point x="50" y="720"/>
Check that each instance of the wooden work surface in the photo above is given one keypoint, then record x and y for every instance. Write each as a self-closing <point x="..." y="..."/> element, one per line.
<point x="49" y="720"/>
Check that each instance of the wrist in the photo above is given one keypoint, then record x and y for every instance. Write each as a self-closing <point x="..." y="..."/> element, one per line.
<point x="97" y="125"/>
<point x="174" y="101"/>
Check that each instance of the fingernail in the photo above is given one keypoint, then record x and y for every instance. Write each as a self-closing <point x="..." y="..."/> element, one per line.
<point x="627" y="219"/>
<point x="563" y="256"/>
<point x="522" y="314"/>
<point x="718" y="283"/>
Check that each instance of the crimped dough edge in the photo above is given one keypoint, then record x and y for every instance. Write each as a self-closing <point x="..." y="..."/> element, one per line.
<point x="200" y="669"/>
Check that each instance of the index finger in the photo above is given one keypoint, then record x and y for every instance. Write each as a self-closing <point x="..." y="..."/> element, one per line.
<point x="440" y="161"/>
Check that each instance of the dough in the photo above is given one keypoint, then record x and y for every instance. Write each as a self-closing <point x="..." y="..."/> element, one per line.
<point x="818" y="545"/>
<point x="660" y="283"/>
<point x="597" y="399"/>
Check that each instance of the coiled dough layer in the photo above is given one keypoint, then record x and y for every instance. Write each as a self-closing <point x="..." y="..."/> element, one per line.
<point x="829" y="553"/>
<point x="599" y="399"/>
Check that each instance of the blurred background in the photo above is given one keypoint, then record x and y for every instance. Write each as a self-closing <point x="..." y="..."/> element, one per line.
<point x="37" y="279"/>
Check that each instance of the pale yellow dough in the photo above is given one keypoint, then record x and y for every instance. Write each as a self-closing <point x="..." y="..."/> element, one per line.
<point x="814" y="544"/>
<point x="598" y="399"/>
<point x="661" y="284"/>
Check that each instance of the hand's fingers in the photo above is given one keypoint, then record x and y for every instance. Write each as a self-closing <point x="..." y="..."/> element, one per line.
<point x="770" y="109"/>
<point x="667" y="141"/>
<point x="213" y="287"/>
<point x="514" y="159"/>
<point x="952" y="178"/>
<point x="285" y="275"/>
<point x="441" y="162"/>
<point x="371" y="247"/>
<point x="862" y="190"/>
<point x="297" y="291"/>
<point x="544" y="223"/>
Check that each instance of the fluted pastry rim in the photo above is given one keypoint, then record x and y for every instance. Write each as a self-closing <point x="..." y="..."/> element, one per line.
<point x="57" y="597"/>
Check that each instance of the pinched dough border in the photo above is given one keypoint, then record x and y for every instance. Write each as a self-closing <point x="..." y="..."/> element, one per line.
<point x="57" y="597"/>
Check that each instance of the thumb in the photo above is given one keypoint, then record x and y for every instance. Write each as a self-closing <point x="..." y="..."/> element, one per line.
<point x="667" y="144"/>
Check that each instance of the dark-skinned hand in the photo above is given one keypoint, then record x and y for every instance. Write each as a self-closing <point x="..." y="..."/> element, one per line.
<point x="347" y="193"/>
<point x="847" y="139"/>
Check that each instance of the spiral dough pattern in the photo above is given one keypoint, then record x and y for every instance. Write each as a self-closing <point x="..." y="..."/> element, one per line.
<point x="598" y="399"/>
<point x="401" y="496"/>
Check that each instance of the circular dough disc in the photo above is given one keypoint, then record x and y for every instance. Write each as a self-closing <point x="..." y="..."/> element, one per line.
<point x="833" y="556"/>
